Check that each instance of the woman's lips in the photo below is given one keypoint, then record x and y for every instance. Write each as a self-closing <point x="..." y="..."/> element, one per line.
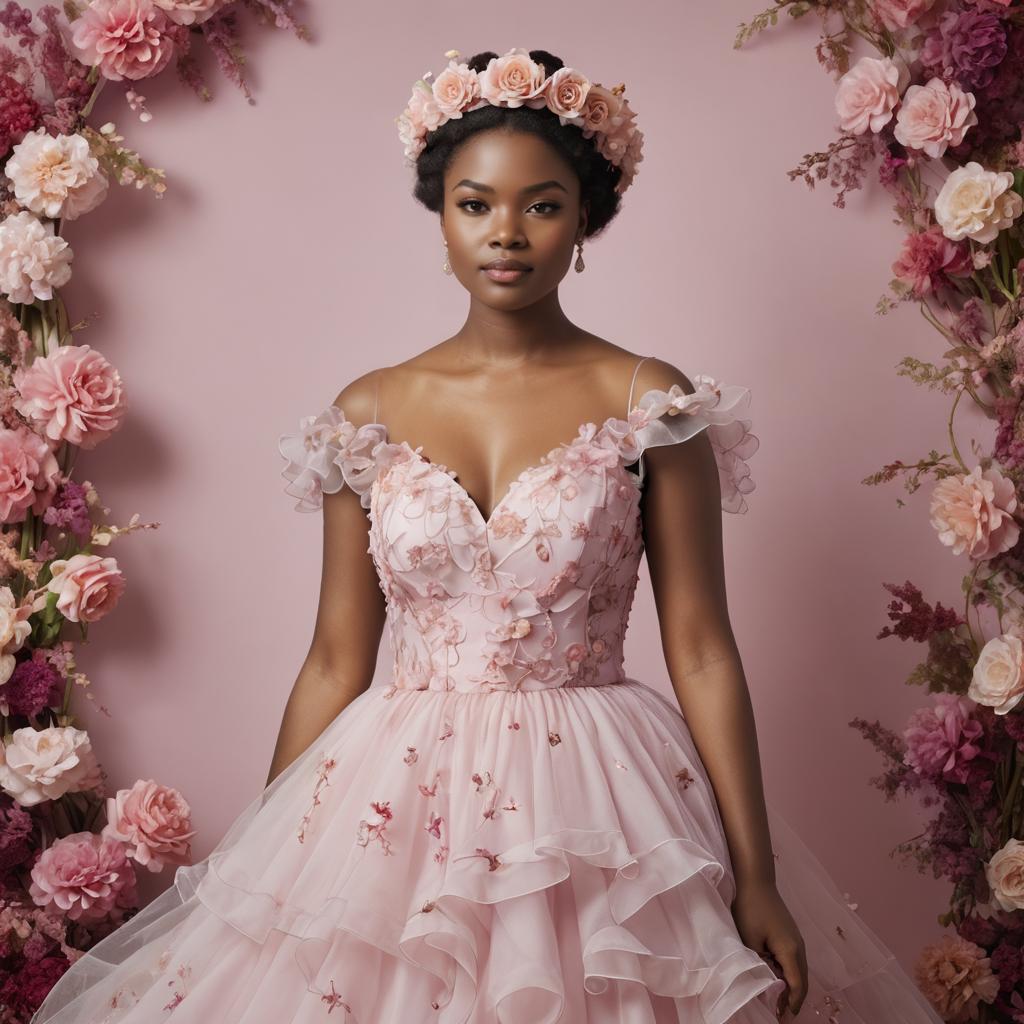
<point x="504" y="275"/>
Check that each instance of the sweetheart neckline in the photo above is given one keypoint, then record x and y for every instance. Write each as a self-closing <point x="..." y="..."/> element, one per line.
<point x="542" y="463"/>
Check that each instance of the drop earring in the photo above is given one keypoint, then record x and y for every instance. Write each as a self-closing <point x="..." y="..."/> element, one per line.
<point x="446" y="266"/>
<point x="579" y="264"/>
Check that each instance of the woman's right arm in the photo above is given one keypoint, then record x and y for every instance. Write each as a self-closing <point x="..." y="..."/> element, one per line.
<point x="350" y="618"/>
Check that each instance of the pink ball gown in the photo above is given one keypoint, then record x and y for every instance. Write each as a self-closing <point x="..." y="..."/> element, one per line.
<point x="509" y="830"/>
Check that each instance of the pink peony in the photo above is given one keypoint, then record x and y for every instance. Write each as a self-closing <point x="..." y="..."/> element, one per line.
<point x="868" y="94"/>
<point x="124" y="38"/>
<point x="153" y="821"/>
<point x="928" y="257"/>
<point x="941" y="739"/>
<point x="85" y="875"/>
<point x="89" y="586"/>
<point x="73" y="394"/>
<point x="28" y="474"/>
<point x="897" y="14"/>
<point x="934" y="116"/>
<point x="955" y="975"/>
<point x="43" y="764"/>
<point x="514" y="80"/>
<point x="974" y="513"/>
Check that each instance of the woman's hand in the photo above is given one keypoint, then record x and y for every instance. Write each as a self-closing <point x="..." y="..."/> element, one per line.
<point x="766" y="926"/>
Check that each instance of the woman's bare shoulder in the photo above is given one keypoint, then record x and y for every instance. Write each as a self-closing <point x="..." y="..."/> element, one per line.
<point x="358" y="399"/>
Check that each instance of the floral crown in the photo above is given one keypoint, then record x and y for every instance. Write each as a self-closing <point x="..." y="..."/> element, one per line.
<point x="516" y="80"/>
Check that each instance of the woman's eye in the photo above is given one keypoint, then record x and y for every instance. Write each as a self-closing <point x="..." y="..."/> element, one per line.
<point x="465" y="204"/>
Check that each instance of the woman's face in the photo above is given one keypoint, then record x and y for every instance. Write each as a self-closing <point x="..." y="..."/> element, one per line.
<point x="513" y="196"/>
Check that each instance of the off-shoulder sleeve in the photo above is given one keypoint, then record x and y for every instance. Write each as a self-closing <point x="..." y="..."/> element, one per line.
<point x="669" y="417"/>
<point x="326" y="453"/>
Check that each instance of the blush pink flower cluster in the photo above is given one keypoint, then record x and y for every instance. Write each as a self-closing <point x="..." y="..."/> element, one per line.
<point x="516" y="80"/>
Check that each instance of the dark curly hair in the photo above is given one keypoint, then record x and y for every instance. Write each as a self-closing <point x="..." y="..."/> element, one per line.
<point x="598" y="177"/>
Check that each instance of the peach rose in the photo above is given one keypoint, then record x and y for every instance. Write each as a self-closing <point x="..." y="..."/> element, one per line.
<point x="997" y="680"/>
<point x="956" y="976"/>
<point x="73" y="394"/>
<point x="1005" y="875"/>
<point x="44" y="764"/>
<point x="567" y="92"/>
<point x="974" y="513"/>
<point x="868" y="94"/>
<point x="514" y="80"/>
<point x="456" y="89"/>
<point x="897" y="14"/>
<point x="154" y="821"/>
<point x="88" y="586"/>
<point x="28" y="474"/>
<point x="934" y="116"/>
<point x="976" y="203"/>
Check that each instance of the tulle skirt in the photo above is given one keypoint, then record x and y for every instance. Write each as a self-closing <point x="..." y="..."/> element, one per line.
<point x="462" y="858"/>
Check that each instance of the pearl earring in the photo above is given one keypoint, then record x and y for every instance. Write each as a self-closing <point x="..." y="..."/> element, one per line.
<point x="446" y="266"/>
<point x="579" y="265"/>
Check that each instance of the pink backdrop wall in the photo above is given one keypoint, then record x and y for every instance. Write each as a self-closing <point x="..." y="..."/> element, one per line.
<point x="288" y="257"/>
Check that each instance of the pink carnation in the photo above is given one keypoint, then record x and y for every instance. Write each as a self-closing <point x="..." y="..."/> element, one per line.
<point x="28" y="474"/>
<point x="85" y="875"/>
<point x="88" y="586"/>
<point x="153" y="821"/>
<point x="941" y="738"/>
<point x="974" y="513"/>
<point x="125" y="38"/>
<point x="928" y="257"/>
<point x="73" y="394"/>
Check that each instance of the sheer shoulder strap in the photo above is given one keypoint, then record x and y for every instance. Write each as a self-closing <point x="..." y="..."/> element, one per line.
<point x="327" y="452"/>
<point x="671" y="417"/>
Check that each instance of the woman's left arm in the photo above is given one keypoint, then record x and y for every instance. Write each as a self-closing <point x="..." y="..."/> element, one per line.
<point x="683" y="539"/>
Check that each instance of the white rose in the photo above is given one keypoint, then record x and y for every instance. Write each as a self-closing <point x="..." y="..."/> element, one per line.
<point x="56" y="176"/>
<point x="1005" y="875"/>
<point x="977" y="203"/>
<point x="14" y="631"/>
<point x="33" y="260"/>
<point x="44" y="764"/>
<point x="997" y="681"/>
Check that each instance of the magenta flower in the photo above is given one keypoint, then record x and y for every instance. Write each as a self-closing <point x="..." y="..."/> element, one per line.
<point x="941" y="738"/>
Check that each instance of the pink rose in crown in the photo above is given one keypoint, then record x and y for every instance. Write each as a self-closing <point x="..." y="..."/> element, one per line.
<point x="514" y="80"/>
<point x="125" y="38"/>
<point x="86" y="875"/>
<point x="153" y="821"/>
<point x="72" y="394"/>
<point x="88" y="586"/>
<point x="456" y="89"/>
<point x="567" y="92"/>
<point x="973" y="513"/>
<point x="29" y="474"/>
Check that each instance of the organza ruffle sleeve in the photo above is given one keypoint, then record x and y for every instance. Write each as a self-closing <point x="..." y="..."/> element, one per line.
<point x="670" y="417"/>
<point x="326" y="453"/>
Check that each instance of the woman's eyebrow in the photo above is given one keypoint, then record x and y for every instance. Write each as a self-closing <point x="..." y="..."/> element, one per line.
<point x="539" y="187"/>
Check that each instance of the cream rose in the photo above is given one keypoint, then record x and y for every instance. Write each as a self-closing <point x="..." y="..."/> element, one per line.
<point x="1005" y="875"/>
<point x="44" y="764"/>
<point x="14" y="630"/>
<point x="997" y="680"/>
<point x="977" y="203"/>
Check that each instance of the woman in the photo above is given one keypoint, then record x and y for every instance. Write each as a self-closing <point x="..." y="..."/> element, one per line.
<point x="512" y="830"/>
